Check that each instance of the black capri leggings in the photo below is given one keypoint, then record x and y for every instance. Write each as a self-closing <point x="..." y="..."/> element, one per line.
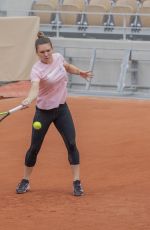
<point x="61" y="117"/>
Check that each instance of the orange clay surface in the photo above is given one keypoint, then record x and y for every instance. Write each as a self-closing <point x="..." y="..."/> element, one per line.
<point x="113" y="137"/>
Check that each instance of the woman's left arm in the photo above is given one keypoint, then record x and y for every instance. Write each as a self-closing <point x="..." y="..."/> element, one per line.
<point x="75" y="70"/>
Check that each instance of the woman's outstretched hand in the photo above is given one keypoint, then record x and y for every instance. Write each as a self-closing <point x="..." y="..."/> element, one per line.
<point x="88" y="75"/>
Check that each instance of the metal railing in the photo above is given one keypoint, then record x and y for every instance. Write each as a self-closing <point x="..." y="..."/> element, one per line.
<point x="127" y="81"/>
<point x="82" y="28"/>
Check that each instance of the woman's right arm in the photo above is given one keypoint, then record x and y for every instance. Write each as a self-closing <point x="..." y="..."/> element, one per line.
<point x="32" y="93"/>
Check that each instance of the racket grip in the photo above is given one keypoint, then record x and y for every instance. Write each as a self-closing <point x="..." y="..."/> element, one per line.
<point x="19" y="107"/>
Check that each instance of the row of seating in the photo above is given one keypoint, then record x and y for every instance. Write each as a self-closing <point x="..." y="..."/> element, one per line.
<point x="94" y="12"/>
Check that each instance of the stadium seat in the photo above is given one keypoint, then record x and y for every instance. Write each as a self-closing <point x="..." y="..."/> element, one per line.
<point x="44" y="5"/>
<point x="124" y="7"/>
<point x="77" y="3"/>
<point x="71" y="6"/>
<point x="146" y="3"/>
<point x="132" y="3"/>
<point x="142" y="1"/>
<point x="145" y="9"/>
<point x="100" y="7"/>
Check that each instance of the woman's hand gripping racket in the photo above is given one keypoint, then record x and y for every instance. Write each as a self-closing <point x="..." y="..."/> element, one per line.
<point x="3" y="115"/>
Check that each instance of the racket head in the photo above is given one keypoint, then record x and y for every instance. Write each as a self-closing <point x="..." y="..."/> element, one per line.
<point x="3" y="115"/>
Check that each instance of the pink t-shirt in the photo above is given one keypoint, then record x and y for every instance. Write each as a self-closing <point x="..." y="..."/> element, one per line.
<point x="53" y="82"/>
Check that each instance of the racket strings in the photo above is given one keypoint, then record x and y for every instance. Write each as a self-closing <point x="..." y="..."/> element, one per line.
<point x="3" y="115"/>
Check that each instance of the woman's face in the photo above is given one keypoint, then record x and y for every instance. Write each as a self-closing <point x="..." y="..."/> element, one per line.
<point x="44" y="52"/>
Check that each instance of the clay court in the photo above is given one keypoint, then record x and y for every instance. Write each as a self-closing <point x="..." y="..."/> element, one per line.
<point x="113" y="139"/>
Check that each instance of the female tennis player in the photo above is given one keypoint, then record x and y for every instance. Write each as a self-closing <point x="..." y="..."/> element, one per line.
<point x="49" y="88"/>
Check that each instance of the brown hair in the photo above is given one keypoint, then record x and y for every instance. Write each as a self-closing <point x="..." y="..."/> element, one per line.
<point x="42" y="39"/>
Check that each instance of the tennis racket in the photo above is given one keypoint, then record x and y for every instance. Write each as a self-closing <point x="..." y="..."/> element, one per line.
<point x="3" y="115"/>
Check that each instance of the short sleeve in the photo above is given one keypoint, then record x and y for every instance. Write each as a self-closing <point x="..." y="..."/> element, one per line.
<point x="62" y="59"/>
<point x="35" y="74"/>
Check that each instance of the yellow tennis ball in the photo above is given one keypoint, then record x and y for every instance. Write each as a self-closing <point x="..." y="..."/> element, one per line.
<point x="37" y="125"/>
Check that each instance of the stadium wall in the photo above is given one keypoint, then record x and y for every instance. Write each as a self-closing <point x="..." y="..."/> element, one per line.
<point x="109" y="58"/>
<point x="14" y="6"/>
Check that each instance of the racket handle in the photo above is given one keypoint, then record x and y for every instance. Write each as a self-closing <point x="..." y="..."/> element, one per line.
<point x="19" y="107"/>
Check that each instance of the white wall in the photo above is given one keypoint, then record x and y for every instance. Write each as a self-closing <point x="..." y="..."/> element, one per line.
<point x="109" y="58"/>
<point x="16" y="7"/>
